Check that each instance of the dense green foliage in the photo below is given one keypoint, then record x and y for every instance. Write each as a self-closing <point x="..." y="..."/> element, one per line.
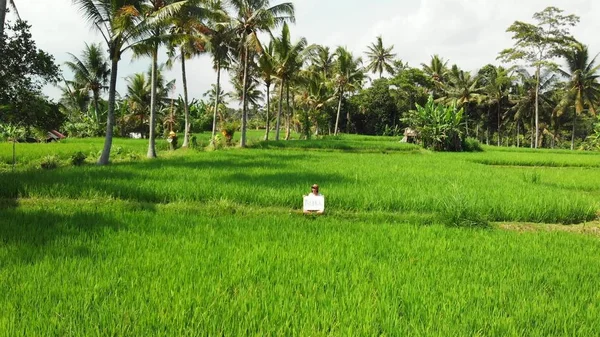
<point x="24" y="70"/>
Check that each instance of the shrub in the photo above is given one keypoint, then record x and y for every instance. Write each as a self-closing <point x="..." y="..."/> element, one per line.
<point x="438" y="126"/>
<point x="78" y="158"/>
<point x="471" y="145"/>
<point x="50" y="162"/>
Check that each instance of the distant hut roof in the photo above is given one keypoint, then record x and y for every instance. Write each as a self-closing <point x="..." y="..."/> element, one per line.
<point x="408" y="132"/>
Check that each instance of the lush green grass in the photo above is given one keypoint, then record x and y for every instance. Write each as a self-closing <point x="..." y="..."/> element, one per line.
<point x="213" y="243"/>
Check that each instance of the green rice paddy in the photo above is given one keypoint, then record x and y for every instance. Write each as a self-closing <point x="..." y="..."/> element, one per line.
<point x="201" y="243"/>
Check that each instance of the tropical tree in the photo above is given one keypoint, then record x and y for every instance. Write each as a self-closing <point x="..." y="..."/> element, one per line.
<point x="316" y="92"/>
<point x="3" y="7"/>
<point x="288" y="59"/>
<point x="349" y="77"/>
<point x="497" y="89"/>
<point x="463" y="89"/>
<point x="138" y="98"/>
<point x="266" y="65"/>
<point x="529" y="94"/>
<point x="438" y="71"/>
<point x="91" y="73"/>
<point x="538" y="45"/>
<point x="253" y="17"/>
<point x="155" y="35"/>
<point x="380" y="58"/>
<point x="221" y="39"/>
<point x="188" y="29"/>
<point x="122" y="26"/>
<point x="582" y="91"/>
<point x="322" y="60"/>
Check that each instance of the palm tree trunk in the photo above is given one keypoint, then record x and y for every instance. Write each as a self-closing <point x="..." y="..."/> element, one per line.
<point x="112" y="90"/>
<point x="186" y="108"/>
<point x="244" y="99"/>
<point x="573" y="133"/>
<point x="289" y="115"/>
<point x="268" y="125"/>
<point x="499" y="142"/>
<point x="532" y="131"/>
<point x="518" y="134"/>
<point x="337" y="119"/>
<point x="487" y="131"/>
<point x="537" y="108"/>
<point x="3" y="4"/>
<point x="96" y="99"/>
<point x="218" y="88"/>
<point x="152" y="131"/>
<point x="278" y="123"/>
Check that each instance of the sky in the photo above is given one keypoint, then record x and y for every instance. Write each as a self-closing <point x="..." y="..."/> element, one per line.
<point x="469" y="33"/>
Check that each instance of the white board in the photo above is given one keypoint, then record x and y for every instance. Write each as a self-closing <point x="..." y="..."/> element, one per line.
<point x="314" y="203"/>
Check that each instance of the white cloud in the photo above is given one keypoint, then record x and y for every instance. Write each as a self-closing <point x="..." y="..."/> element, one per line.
<point x="469" y="33"/>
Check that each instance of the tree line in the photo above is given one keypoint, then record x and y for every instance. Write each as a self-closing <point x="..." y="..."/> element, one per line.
<point x="544" y="95"/>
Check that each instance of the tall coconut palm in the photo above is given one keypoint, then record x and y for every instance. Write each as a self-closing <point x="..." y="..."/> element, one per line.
<point x="3" y="6"/>
<point x="288" y="61"/>
<point x="253" y="17"/>
<point x="266" y="66"/>
<point x="156" y="34"/>
<point x="316" y="92"/>
<point x="497" y="90"/>
<point x="380" y="58"/>
<point x="438" y="71"/>
<point x="188" y="29"/>
<point x="526" y="98"/>
<point x="322" y="60"/>
<point x="348" y="77"/>
<point x="91" y="73"/>
<point x="121" y="24"/>
<point x="221" y="38"/>
<point x="583" y="90"/>
<point x="463" y="89"/>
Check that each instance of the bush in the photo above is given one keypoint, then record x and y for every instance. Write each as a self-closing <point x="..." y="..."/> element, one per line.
<point x="471" y="145"/>
<point x="49" y="162"/>
<point x="78" y="158"/>
<point x="439" y="126"/>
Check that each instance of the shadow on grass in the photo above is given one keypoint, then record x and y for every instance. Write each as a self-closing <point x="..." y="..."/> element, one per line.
<point x="119" y="181"/>
<point x="32" y="233"/>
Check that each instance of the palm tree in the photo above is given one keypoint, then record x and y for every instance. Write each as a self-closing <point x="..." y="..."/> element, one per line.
<point x="253" y="17"/>
<point x="221" y="38"/>
<point x="316" y="92"/>
<point x="288" y="61"/>
<point x="138" y="101"/>
<point x="121" y="24"/>
<point x="497" y="90"/>
<point x="463" y="89"/>
<point x="3" y="7"/>
<point x="349" y="77"/>
<point x="322" y="60"/>
<point x="91" y="73"/>
<point x="139" y="95"/>
<point x="526" y="98"/>
<point x="380" y="58"/>
<point x="267" y="69"/>
<point x="188" y="31"/>
<point x="438" y="71"/>
<point x="156" y="34"/>
<point x="583" y="89"/>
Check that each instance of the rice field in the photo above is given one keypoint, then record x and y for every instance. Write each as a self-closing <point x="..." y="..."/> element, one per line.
<point x="211" y="243"/>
